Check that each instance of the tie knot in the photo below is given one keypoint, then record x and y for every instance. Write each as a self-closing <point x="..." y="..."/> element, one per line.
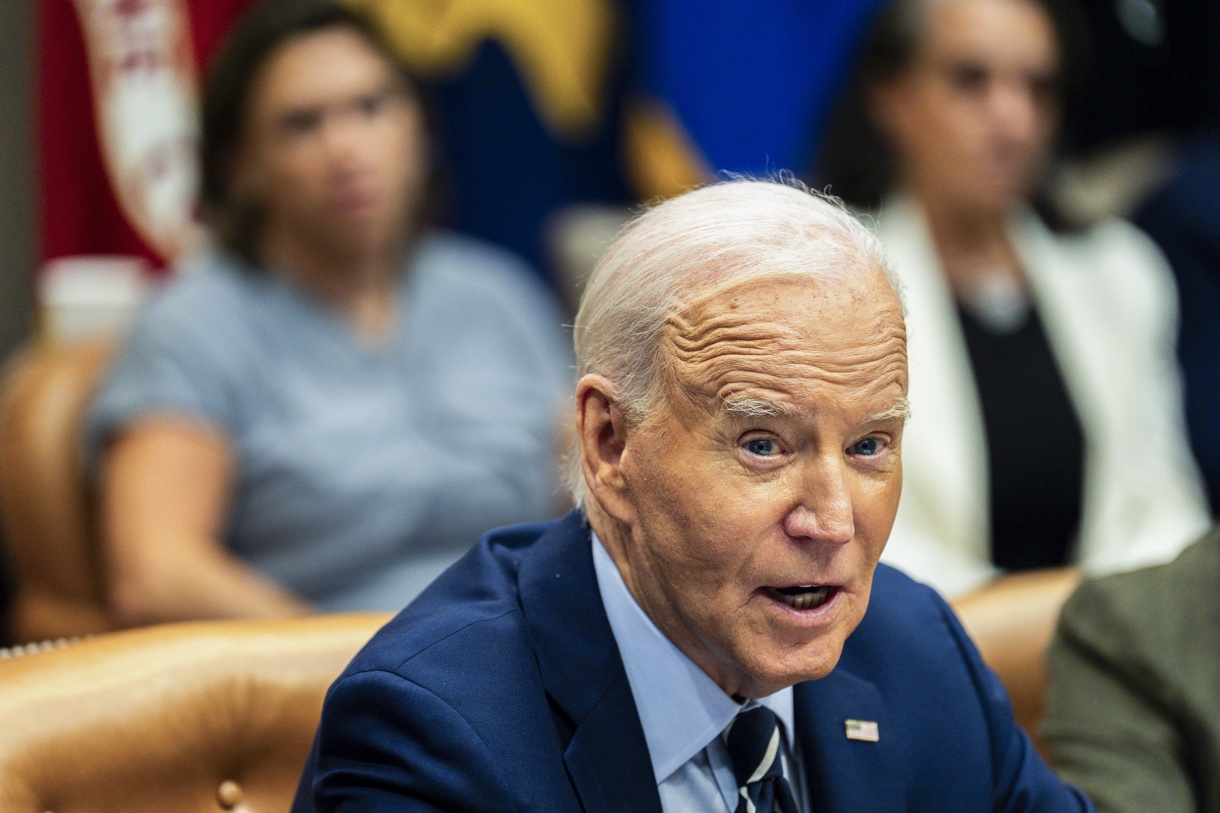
<point x="753" y="744"/>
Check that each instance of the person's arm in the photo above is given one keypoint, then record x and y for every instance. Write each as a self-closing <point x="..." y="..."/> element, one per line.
<point x="1108" y="731"/>
<point x="164" y="500"/>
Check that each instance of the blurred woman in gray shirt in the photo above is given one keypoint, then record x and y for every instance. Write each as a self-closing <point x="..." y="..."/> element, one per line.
<point x="327" y="408"/>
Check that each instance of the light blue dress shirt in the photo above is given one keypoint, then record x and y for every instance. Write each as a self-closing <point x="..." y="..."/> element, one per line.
<point x="682" y="710"/>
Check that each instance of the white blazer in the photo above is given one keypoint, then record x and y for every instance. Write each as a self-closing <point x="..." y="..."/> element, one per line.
<point x="1109" y="306"/>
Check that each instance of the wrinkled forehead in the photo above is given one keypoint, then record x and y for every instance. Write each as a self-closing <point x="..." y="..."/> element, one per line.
<point x="800" y="302"/>
<point x="755" y="336"/>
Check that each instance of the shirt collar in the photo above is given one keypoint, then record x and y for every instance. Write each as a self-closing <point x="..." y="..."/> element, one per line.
<point x="681" y="709"/>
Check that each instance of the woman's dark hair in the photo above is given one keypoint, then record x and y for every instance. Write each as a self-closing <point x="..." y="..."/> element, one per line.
<point x="226" y="99"/>
<point x="854" y="158"/>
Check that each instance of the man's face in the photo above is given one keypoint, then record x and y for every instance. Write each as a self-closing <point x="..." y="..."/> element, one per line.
<point x="973" y="117"/>
<point x="763" y="493"/>
<point x="332" y="152"/>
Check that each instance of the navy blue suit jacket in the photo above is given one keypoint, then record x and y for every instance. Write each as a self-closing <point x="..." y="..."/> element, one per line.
<point x="501" y="689"/>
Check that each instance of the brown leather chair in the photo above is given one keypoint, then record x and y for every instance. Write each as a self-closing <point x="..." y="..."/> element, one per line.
<point x="177" y="718"/>
<point x="45" y="513"/>
<point x="1012" y="622"/>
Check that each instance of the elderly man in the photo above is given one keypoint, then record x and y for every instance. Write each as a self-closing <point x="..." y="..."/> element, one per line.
<point x="681" y="641"/>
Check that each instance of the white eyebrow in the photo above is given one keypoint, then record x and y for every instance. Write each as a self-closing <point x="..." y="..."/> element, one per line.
<point x="899" y="409"/>
<point x="752" y="407"/>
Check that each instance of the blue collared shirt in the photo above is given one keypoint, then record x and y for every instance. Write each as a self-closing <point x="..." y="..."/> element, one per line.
<point x="682" y="710"/>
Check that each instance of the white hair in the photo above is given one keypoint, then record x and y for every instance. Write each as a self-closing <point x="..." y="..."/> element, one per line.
<point x="689" y="248"/>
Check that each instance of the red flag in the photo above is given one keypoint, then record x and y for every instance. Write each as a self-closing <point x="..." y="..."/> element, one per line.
<point x="118" y="122"/>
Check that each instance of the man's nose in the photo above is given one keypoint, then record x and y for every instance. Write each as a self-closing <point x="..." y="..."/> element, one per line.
<point x="824" y="511"/>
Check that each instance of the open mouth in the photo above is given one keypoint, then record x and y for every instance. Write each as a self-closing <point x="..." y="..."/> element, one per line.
<point x="802" y="596"/>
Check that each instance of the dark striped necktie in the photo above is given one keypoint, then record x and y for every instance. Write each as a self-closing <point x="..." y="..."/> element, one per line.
<point x="755" y="748"/>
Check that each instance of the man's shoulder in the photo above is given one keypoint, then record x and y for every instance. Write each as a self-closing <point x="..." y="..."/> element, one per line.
<point x="903" y="614"/>
<point x="909" y="629"/>
<point x="911" y="671"/>
<point x="899" y="602"/>
<point x="912" y="653"/>
<point x="453" y="688"/>
<point x="473" y="607"/>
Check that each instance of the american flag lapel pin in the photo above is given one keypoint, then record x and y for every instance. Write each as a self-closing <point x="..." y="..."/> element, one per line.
<point x="862" y="730"/>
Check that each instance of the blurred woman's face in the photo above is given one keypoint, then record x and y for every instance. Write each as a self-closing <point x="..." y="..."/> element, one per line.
<point x="972" y="118"/>
<point x="332" y="154"/>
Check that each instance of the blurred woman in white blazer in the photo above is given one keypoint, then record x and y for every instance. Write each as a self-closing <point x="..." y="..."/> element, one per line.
<point x="1047" y="427"/>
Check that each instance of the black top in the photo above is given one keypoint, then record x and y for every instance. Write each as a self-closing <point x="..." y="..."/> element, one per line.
<point x="1035" y="446"/>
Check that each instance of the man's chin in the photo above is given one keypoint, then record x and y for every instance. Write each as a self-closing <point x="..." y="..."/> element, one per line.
<point x="768" y="676"/>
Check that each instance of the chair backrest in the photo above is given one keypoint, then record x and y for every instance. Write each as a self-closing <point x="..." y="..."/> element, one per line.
<point x="1012" y="622"/>
<point x="177" y="718"/>
<point x="44" y="502"/>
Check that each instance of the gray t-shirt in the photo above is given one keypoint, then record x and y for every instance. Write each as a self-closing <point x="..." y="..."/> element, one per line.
<point x="360" y="473"/>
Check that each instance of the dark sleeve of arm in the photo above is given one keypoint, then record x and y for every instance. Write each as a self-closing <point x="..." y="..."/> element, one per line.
<point x="1108" y="729"/>
<point x="1022" y="781"/>
<point x="387" y="744"/>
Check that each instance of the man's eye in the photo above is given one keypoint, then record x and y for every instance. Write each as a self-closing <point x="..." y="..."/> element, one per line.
<point x="762" y="447"/>
<point x="866" y="447"/>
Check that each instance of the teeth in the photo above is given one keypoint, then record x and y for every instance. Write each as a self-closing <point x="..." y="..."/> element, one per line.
<point x="802" y="598"/>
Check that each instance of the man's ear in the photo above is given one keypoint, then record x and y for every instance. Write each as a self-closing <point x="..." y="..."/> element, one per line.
<point x="601" y="432"/>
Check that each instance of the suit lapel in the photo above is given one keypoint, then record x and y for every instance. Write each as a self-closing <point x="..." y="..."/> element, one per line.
<point x="846" y="775"/>
<point x="607" y="756"/>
